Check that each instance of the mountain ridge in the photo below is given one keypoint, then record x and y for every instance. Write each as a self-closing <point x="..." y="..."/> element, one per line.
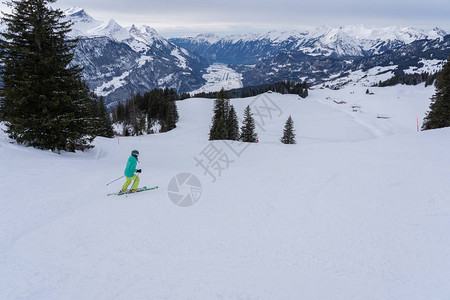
<point x="334" y="72"/>
<point x="353" y="40"/>
<point x="119" y="61"/>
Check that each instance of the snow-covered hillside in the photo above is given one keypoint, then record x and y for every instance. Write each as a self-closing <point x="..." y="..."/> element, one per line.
<point x="357" y="209"/>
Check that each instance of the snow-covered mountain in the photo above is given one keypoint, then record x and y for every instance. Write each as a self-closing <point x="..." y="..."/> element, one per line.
<point x="416" y="57"/>
<point x="323" y="41"/>
<point x="86" y="26"/>
<point x="83" y="24"/>
<point x="118" y="61"/>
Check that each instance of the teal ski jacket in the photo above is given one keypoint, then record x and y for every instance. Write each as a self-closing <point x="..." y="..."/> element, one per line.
<point x="131" y="166"/>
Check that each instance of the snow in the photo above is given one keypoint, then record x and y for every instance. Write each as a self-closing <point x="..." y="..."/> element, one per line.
<point x="428" y="65"/>
<point x="146" y="35"/>
<point x="181" y="59"/>
<point x="165" y="80"/>
<point x="139" y="39"/>
<point x="324" y="40"/>
<point x="110" y="29"/>
<point x="358" y="209"/>
<point x="207" y="38"/>
<point x="85" y="25"/>
<point x="405" y="34"/>
<point x="82" y="22"/>
<point x="145" y="59"/>
<point x="220" y="76"/>
<point x="361" y="78"/>
<point x="116" y="82"/>
<point x="374" y="75"/>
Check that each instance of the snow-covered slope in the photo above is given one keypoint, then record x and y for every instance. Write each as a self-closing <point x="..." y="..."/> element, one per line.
<point x="358" y="209"/>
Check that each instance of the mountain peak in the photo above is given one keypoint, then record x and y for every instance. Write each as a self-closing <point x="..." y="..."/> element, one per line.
<point x="438" y="31"/>
<point x="146" y="35"/>
<point x="82" y="22"/>
<point x="73" y="10"/>
<point x="113" y="23"/>
<point x="112" y="29"/>
<point x="77" y="12"/>
<point x="148" y="30"/>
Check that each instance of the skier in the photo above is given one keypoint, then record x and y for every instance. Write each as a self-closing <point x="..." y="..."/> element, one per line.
<point x="130" y="169"/>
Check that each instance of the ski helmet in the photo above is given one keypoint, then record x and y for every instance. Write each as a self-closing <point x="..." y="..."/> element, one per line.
<point x="135" y="153"/>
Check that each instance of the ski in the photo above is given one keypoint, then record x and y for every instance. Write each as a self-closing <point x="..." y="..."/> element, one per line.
<point x="142" y="189"/>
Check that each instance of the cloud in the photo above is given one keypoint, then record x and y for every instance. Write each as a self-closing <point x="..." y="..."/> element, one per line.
<point x="253" y="15"/>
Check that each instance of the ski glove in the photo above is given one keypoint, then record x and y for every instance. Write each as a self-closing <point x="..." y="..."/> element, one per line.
<point x="138" y="171"/>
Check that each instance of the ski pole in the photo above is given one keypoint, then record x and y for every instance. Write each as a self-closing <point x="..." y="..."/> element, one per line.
<point x="116" y="180"/>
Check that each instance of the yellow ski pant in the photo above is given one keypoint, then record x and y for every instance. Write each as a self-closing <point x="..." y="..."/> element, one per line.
<point x="127" y="183"/>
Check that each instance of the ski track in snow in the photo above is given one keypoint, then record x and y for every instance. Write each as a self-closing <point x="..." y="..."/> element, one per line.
<point x="358" y="209"/>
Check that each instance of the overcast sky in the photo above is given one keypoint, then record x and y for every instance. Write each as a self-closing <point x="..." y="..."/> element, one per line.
<point x="187" y="17"/>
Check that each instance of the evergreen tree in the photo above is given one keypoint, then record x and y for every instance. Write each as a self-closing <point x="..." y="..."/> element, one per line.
<point x="102" y="120"/>
<point x="139" y="125"/>
<point x="119" y="113"/>
<point x="439" y="114"/>
<point x="232" y="125"/>
<point x="134" y="116"/>
<point x="222" y="105"/>
<point x="304" y="92"/>
<point x="141" y="113"/>
<point x="126" y="130"/>
<point x="248" y="133"/>
<point x="171" y="115"/>
<point x="218" y="129"/>
<point x="288" y="133"/>
<point x="106" y="129"/>
<point x="45" y="102"/>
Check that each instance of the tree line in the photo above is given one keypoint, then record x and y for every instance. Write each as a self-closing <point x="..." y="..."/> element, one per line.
<point x="153" y="111"/>
<point x="439" y="114"/>
<point x="409" y="79"/>
<point x="282" y="87"/>
<point x="225" y="124"/>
